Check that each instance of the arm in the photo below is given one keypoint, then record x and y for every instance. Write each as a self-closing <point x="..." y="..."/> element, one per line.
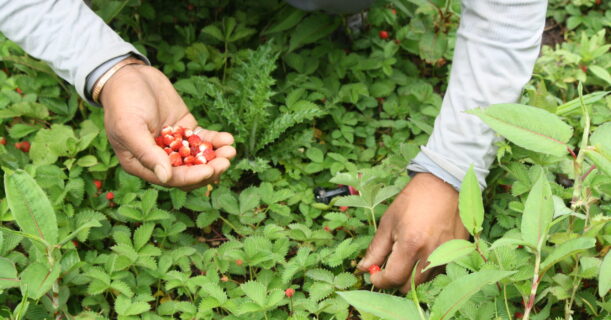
<point x="497" y="45"/>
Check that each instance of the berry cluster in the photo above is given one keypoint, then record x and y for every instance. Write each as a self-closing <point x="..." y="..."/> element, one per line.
<point x="184" y="147"/>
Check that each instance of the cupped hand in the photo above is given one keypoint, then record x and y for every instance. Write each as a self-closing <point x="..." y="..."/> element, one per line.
<point x="138" y="102"/>
<point x="422" y="217"/>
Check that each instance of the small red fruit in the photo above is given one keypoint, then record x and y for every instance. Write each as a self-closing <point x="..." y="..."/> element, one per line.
<point x="75" y="243"/>
<point x="383" y="34"/>
<point x="239" y="262"/>
<point x="200" y="160"/>
<point x="2" y="140"/>
<point x="209" y="154"/>
<point x="184" y="151"/>
<point x="189" y="160"/>
<point x="18" y="91"/>
<point x="326" y="228"/>
<point x="393" y="11"/>
<point x="343" y="208"/>
<point x="159" y="141"/>
<point x="194" y="140"/>
<point x="110" y="195"/>
<point x="23" y="146"/>
<point x="374" y="269"/>
<point x="224" y="278"/>
<point x="167" y="130"/>
<point x="518" y="315"/>
<point x="167" y="139"/>
<point x="98" y="184"/>
<point x="175" y="159"/>
<point x="289" y="292"/>
<point x="175" y="145"/>
<point x="168" y="150"/>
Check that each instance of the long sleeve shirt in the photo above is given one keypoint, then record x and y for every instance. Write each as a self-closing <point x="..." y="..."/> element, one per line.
<point x="497" y="45"/>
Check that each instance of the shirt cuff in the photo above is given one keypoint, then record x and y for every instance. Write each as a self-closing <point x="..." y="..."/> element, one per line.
<point x="422" y="163"/>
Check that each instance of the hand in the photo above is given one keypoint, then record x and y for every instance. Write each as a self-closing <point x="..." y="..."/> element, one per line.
<point x="138" y="102"/>
<point x="422" y="217"/>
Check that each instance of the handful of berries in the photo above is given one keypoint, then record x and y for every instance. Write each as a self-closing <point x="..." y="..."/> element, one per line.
<point x="184" y="147"/>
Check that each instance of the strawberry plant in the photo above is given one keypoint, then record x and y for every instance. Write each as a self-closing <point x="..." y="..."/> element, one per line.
<point x="314" y="101"/>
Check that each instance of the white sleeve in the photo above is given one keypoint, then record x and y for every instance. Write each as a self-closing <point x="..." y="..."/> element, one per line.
<point x="497" y="45"/>
<point x="64" y="33"/>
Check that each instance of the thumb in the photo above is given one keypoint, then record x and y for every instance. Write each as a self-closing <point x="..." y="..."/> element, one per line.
<point x="140" y="143"/>
<point x="378" y="249"/>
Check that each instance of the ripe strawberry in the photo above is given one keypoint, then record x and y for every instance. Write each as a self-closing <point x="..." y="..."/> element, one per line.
<point x="167" y="139"/>
<point x="383" y="34"/>
<point x="189" y="160"/>
<point x="239" y="262"/>
<point x="167" y="130"/>
<point x="98" y="184"/>
<point x="326" y="228"/>
<point x="2" y="140"/>
<point x="176" y="145"/>
<point x="188" y="133"/>
<point x="110" y="195"/>
<point x="209" y="154"/>
<point x="168" y="150"/>
<point x="184" y="151"/>
<point x="224" y="278"/>
<point x="393" y="11"/>
<point x="175" y="159"/>
<point x="374" y="269"/>
<point x="200" y="159"/>
<point x="343" y="208"/>
<point x="159" y="141"/>
<point x="18" y="91"/>
<point x="75" y="243"/>
<point x="23" y="146"/>
<point x="179" y="131"/>
<point x="518" y="315"/>
<point x="194" y="140"/>
<point x="289" y="292"/>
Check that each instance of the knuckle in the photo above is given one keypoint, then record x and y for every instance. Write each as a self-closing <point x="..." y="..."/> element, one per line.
<point x="413" y="240"/>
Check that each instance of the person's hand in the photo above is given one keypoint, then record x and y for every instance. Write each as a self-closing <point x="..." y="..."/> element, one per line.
<point x="138" y="102"/>
<point x="422" y="217"/>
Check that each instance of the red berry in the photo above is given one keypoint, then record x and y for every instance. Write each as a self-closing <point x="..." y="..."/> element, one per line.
<point x="194" y="140"/>
<point x="584" y="68"/>
<point x="2" y="140"/>
<point x="179" y="131"/>
<point x="175" y="159"/>
<point x="110" y="195"/>
<point x="209" y="154"/>
<point x="239" y="262"/>
<point x="393" y="11"/>
<point x="176" y="145"/>
<point x="374" y="269"/>
<point x="326" y="228"/>
<point x="75" y="243"/>
<point x="184" y="151"/>
<point x="18" y="91"/>
<point x="189" y="160"/>
<point x="23" y="146"/>
<point x="98" y="184"/>
<point x="167" y="130"/>
<point x="518" y="315"/>
<point x="167" y="139"/>
<point x="289" y="292"/>
<point x="343" y="208"/>
<point x="383" y="34"/>
<point x="168" y="150"/>
<point x="224" y="278"/>
<point x="200" y="159"/>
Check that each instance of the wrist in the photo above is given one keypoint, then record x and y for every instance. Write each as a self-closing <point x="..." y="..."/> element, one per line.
<point x="101" y="83"/>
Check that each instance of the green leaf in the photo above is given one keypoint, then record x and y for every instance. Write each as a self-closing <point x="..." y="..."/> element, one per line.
<point x="125" y="307"/>
<point x="214" y="32"/>
<point x="538" y="213"/>
<point x="604" y="277"/>
<point x="37" y="279"/>
<point x="256" y="291"/>
<point x="384" y="194"/>
<point x="352" y="201"/>
<point x="142" y="235"/>
<point x="49" y="144"/>
<point x="311" y="29"/>
<point x="30" y="206"/>
<point x="529" y="127"/>
<point x="459" y="291"/>
<point x="471" y="206"/>
<point x="601" y="73"/>
<point x="8" y="274"/>
<point x="449" y="251"/>
<point x="575" y="104"/>
<point x="601" y="161"/>
<point x="566" y="249"/>
<point x="87" y="161"/>
<point x="287" y="20"/>
<point x="381" y="305"/>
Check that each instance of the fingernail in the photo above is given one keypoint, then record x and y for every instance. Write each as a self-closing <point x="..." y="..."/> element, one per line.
<point x="161" y="173"/>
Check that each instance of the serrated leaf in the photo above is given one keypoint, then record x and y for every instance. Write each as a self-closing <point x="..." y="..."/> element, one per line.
<point x="381" y="305"/>
<point x="351" y="201"/>
<point x="30" y="206"/>
<point x="470" y="204"/>
<point x="566" y="249"/>
<point x="528" y="127"/>
<point x="125" y="307"/>
<point x="320" y="290"/>
<point x="256" y="291"/>
<point x="448" y="252"/>
<point x="122" y="287"/>
<point x="344" y="280"/>
<point x="311" y="29"/>
<point x="319" y="274"/>
<point x="459" y="291"/>
<point x="142" y="235"/>
<point x="384" y="194"/>
<point x="538" y="213"/>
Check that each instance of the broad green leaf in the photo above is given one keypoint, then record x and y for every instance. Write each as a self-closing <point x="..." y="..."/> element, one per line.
<point x="575" y="104"/>
<point x="604" y="277"/>
<point x="352" y="201"/>
<point x="601" y="138"/>
<point x="538" y="213"/>
<point x="566" y="249"/>
<point x="529" y="127"/>
<point x="385" y="306"/>
<point x="470" y="204"/>
<point x="30" y="206"/>
<point x="214" y="32"/>
<point x="142" y="235"/>
<point x="312" y="29"/>
<point x="37" y="279"/>
<point x="125" y="307"/>
<point x="601" y="161"/>
<point x="601" y="72"/>
<point x="449" y="251"/>
<point x="384" y="194"/>
<point x="459" y="291"/>
<point x="87" y="161"/>
<point x="256" y="291"/>
<point x="8" y="274"/>
<point x="287" y="20"/>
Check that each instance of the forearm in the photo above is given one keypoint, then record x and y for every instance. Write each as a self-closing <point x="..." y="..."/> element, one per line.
<point x="496" y="49"/>
<point x="64" y="33"/>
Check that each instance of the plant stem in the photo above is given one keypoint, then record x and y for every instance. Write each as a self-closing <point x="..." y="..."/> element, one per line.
<point x="373" y="219"/>
<point x="569" y="304"/>
<point x="533" y="288"/>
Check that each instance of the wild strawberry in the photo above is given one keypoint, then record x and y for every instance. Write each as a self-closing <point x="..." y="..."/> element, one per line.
<point x="209" y="154"/>
<point x="184" y="151"/>
<point x="239" y="262"/>
<point x="393" y="11"/>
<point x="175" y="159"/>
<point x="206" y="145"/>
<point x="584" y="68"/>
<point x="343" y="208"/>
<point x="18" y="91"/>
<point x="224" y="278"/>
<point x="188" y="133"/>
<point x="23" y="146"/>
<point x="289" y="292"/>
<point x="75" y="243"/>
<point x="189" y="160"/>
<point x="518" y="315"/>
<point x="98" y="184"/>
<point x="326" y="228"/>
<point x="200" y="160"/>
<point x="374" y="269"/>
<point x="176" y="145"/>
<point x="2" y="140"/>
<point x="168" y="150"/>
<point x="180" y="131"/>
<point x="159" y="141"/>
<point x="167" y="139"/>
<point x="167" y="130"/>
<point x="110" y="195"/>
<point x="383" y="34"/>
<point x="194" y="140"/>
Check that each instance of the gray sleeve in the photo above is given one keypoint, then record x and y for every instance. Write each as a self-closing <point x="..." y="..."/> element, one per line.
<point x="64" y="33"/>
<point x="497" y="45"/>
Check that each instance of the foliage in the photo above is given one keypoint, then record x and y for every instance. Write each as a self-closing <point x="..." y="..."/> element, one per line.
<point x="313" y="100"/>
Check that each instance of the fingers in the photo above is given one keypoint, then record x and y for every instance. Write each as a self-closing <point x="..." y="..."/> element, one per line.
<point x="398" y="267"/>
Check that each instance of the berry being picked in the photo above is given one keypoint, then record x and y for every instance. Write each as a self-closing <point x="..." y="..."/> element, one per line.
<point x="383" y="34"/>
<point x="374" y="269"/>
<point x="289" y="292"/>
<point x="184" y="147"/>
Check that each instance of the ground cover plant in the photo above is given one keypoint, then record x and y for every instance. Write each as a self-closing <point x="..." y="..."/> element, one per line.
<point x="313" y="101"/>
